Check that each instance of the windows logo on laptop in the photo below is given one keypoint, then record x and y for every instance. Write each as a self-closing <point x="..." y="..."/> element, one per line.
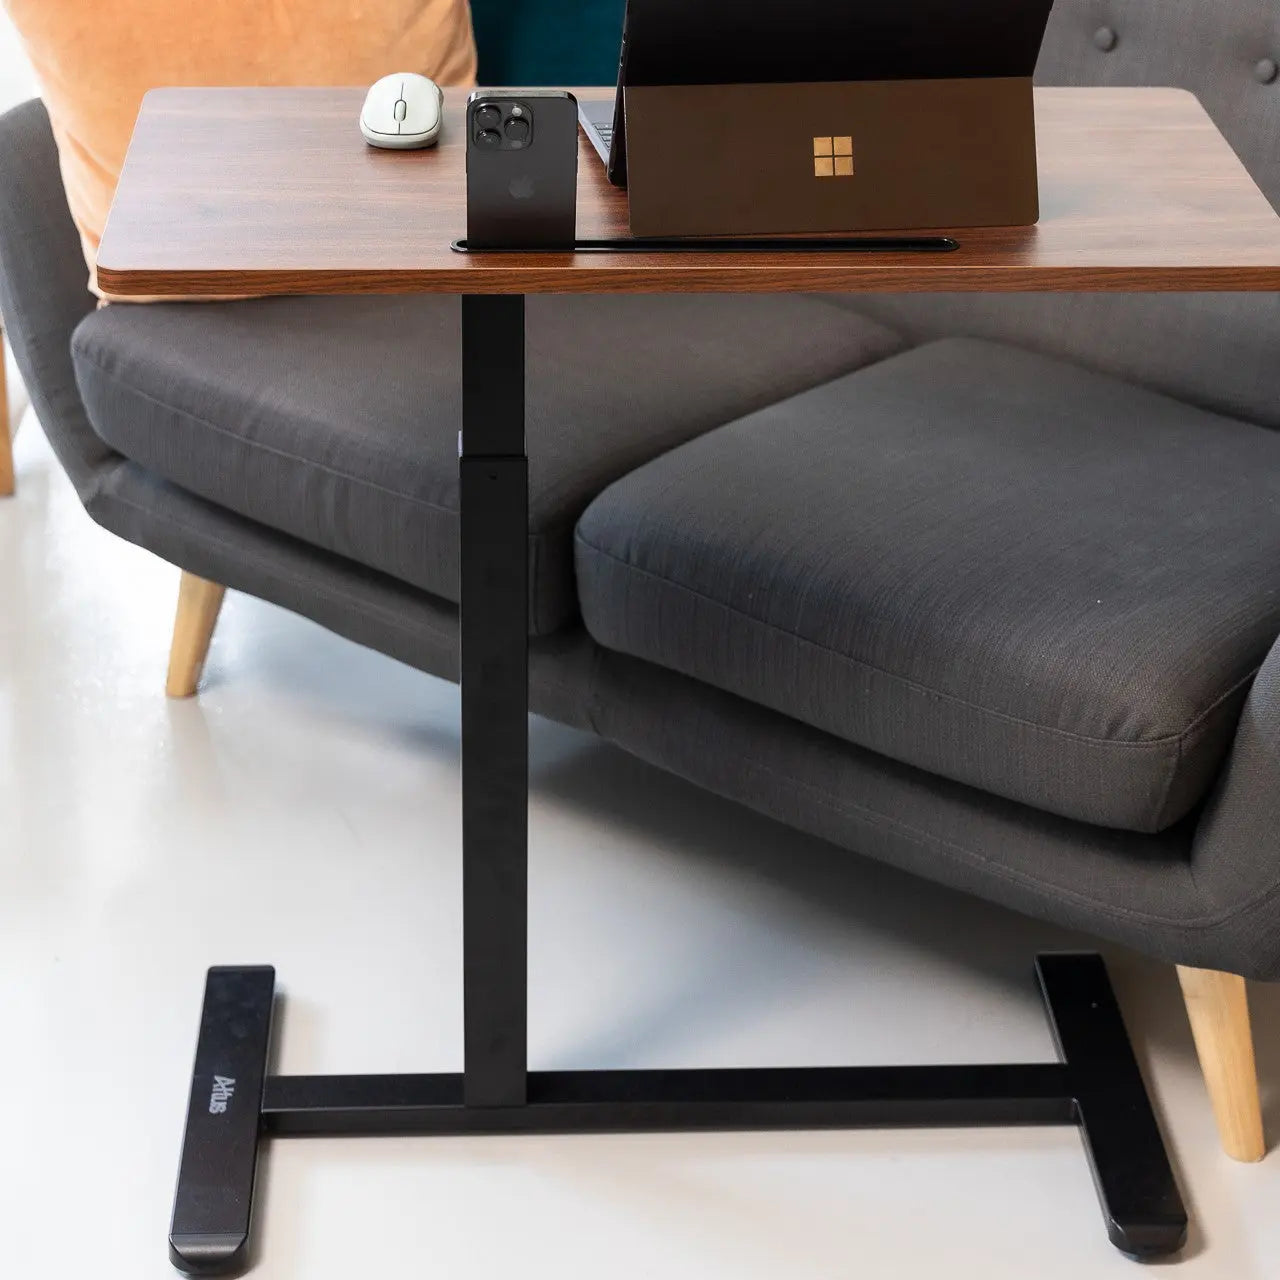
<point x="833" y="157"/>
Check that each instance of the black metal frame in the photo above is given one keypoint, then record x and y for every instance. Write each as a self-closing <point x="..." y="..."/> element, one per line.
<point x="234" y="1102"/>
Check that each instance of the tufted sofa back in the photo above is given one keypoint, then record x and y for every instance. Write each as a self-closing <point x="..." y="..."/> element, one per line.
<point x="1221" y="351"/>
<point x="1227" y="52"/>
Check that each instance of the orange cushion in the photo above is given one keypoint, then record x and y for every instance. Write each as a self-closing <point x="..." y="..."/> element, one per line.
<point x="96" y="58"/>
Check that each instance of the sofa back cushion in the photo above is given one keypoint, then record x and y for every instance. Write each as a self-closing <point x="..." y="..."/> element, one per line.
<point x="95" y="61"/>
<point x="1226" y="54"/>
<point x="1220" y="351"/>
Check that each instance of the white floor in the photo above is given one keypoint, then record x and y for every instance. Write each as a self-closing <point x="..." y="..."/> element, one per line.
<point x="304" y="812"/>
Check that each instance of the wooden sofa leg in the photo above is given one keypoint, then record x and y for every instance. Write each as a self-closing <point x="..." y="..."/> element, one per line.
<point x="6" y="432"/>
<point x="198" y="605"/>
<point x="1219" y="1012"/>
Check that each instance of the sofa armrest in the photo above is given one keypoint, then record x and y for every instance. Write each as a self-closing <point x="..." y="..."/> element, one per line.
<point x="1236" y="852"/>
<point x="44" y="286"/>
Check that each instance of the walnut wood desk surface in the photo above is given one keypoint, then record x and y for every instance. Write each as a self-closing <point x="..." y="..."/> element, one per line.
<point x="267" y="191"/>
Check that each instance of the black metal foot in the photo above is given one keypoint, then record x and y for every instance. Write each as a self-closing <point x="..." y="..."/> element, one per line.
<point x="1098" y="1085"/>
<point x="1140" y="1200"/>
<point x="213" y="1204"/>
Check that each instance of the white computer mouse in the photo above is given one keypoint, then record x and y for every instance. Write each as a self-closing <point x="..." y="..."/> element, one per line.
<point x="402" y="110"/>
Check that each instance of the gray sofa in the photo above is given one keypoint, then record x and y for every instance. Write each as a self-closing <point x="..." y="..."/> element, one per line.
<point x="986" y="587"/>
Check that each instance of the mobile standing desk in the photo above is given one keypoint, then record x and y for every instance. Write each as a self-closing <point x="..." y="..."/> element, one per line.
<point x="272" y="191"/>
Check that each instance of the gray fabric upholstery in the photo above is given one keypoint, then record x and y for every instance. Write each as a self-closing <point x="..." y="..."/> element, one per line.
<point x="1236" y="857"/>
<point x="1008" y="571"/>
<point x="1171" y="342"/>
<point x="1140" y="890"/>
<point x="335" y="419"/>
<point x="44" y="286"/>
<point x="353" y="601"/>
<point x="1136" y="889"/>
<point x="1218" y="911"/>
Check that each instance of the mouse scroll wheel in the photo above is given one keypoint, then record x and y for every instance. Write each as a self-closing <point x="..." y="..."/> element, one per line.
<point x="402" y="108"/>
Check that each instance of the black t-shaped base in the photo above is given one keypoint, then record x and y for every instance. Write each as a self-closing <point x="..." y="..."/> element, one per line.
<point x="1097" y="1086"/>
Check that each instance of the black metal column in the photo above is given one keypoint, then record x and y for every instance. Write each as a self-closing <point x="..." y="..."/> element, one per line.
<point x="494" y="498"/>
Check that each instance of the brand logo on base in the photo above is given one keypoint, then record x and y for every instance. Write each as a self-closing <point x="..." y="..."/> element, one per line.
<point x="223" y="1088"/>
<point x="521" y="188"/>
<point x="833" y="157"/>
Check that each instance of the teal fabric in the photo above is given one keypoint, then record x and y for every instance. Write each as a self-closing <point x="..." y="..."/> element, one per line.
<point x="548" y="42"/>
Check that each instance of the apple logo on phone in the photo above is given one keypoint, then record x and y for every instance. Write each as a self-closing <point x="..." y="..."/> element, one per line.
<point x="521" y="188"/>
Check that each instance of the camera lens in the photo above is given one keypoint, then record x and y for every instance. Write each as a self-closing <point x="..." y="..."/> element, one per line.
<point x="488" y="117"/>
<point x="517" y="130"/>
<point x="489" y="139"/>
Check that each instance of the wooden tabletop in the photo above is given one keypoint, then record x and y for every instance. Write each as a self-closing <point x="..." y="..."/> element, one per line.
<point x="262" y="191"/>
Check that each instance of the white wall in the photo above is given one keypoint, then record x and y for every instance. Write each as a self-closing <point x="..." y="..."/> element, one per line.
<point x="16" y="81"/>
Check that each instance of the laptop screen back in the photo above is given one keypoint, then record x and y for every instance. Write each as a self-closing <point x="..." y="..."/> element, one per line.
<point x="677" y="42"/>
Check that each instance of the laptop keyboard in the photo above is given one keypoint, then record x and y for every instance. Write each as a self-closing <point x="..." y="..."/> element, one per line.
<point x="606" y="134"/>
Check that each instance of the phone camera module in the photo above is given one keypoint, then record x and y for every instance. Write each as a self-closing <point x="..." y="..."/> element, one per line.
<point x="517" y="129"/>
<point x="489" y="139"/>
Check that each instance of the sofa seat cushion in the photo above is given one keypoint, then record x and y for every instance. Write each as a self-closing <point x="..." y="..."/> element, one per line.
<point x="992" y="565"/>
<point x="336" y="419"/>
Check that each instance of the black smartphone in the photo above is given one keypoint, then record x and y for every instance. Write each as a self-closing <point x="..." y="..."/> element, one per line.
<point x="522" y="169"/>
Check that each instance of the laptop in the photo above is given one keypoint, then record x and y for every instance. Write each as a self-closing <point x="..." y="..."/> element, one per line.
<point x="806" y="116"/>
